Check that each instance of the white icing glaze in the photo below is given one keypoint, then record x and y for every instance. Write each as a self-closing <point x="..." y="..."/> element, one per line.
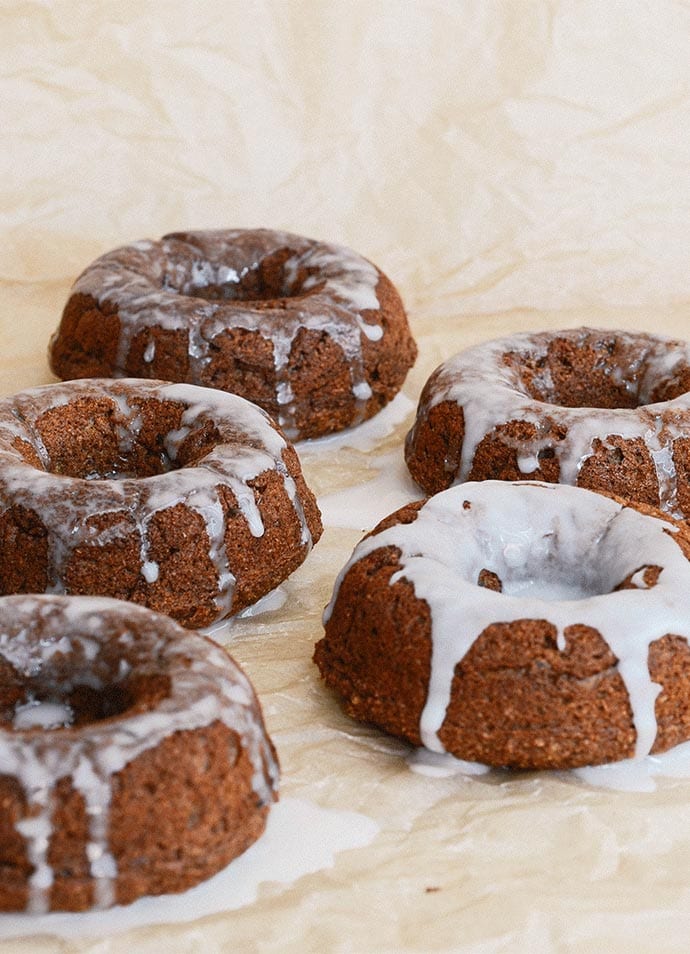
<point x="443" y="765"/>
<point x="42" y="714"/>
<point x="575" y="542"/>
<point x="205" y="686"/>
<point x="153" y="284"/>
<point x="300" y="838"/>
<point x="490" y="393"/>
<point x="628" y="775"/>
<point x="269" y="603"/>
<point x="248" y="445"/>
<point x="150" y="570"/>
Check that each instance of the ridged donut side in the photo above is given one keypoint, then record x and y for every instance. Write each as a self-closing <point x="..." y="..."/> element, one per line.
<point x="484" y="415"/>
<point x="161" y="775"/>
<point x="228" y="524"/>
<point x="519" y="697"/>
<point x="311" y="332"/>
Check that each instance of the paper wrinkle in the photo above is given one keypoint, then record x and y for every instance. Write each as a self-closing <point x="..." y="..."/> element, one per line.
<point x="512" y="167"/>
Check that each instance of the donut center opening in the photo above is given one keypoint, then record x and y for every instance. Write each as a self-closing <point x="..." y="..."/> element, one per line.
<point x="515" y="574"/>
<point x="273" y="278"/>
<point x="74" y="663"/>
<point x="53" y="708"/>
<point x="71" y="695"/>
<point x="543" y="541"/>
<point x="44" y="705"/>
<point x="588" y="369"/>
<point x="566" y="586"/>
<point x="537" y="549"/>
<point x="552" y="583"/>
<point x="101" y="438"/>
<point x="229" y="285"/>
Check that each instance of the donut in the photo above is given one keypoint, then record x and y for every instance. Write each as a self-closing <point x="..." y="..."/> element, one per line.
<point x="185" y="499"/>
<point x="133" y="755"/>
<point x="312" y="332"/>
<point x="606" y="410"/>
<point x="525" y="625"/>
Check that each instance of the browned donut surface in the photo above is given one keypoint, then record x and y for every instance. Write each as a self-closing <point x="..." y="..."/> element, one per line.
<point x="606" y="410"/>
<point x="133" y="755"/>
<point x="310" y="331"/>
<point x="185" y="499"/>
<point x="524" y="625"/>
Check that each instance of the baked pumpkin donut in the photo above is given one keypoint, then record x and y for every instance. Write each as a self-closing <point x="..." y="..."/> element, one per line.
<point x="528" y="625"/>
<point x="606" y="410"/>
<point x="185" y="499"/>
<point x="133" y="755"/>
<point x="312" y="332"/>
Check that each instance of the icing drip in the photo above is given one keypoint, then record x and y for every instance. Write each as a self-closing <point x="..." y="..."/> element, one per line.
<point x="577" y="544"/>
<point x="159" y="284"/>
<point x="205" y="686"/>
<point x="300" y="838"/>
<point x="491" y="392"/>
<point x="248" y="446"/>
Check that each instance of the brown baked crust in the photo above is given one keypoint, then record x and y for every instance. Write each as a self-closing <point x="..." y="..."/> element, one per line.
<point x="195" y="784"/>
<point x="516" y="700"/>
<point x="178" y="811"/>
<point x="584" y="368"/>
<point x="98" y="338"/>
<point x="103" y="552"/>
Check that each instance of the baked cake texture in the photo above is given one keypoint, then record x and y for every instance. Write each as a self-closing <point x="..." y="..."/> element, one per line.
<point x="133" y="755"/>
<point x="310" y="331"/>
<point x="606" y="410"/>
<point x="528" y="625"/>
<point x="185" y="499"/>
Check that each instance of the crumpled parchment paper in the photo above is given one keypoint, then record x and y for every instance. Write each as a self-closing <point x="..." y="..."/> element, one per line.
<point x="512" y="166"/>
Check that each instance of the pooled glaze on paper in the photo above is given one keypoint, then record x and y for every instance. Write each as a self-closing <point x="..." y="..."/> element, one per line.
<point x="365" y="504"/>
<point x="366" y="436"/>
<point x="300" y="838"/>
<point x="558" y="533"/>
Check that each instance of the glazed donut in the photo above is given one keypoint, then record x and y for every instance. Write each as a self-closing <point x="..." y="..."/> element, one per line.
<point x="311" y="332"/>
<point x="133" y="755"/>
<point x="185" y="499"/>
<point x="607" y="410"/>
<point x="527" y="625"/>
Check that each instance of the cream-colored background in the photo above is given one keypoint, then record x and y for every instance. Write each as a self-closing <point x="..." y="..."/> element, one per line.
<point x="511" y="165"/>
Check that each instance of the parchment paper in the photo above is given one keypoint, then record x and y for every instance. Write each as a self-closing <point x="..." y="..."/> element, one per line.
<point x="516" y="165"/>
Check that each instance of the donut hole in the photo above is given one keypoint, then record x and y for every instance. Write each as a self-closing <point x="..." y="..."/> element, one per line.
<point x="51" y="704"/>
<point x="597" y="370"/>
<point x="50" y="707"/>
<point x="545" y="583"/>
<point x="273" y="278"/>
<point x="99" y="439"/>
<point x="536" y="569"/>
<point x="49" y="686"/>
<point x="555" y="545"/>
